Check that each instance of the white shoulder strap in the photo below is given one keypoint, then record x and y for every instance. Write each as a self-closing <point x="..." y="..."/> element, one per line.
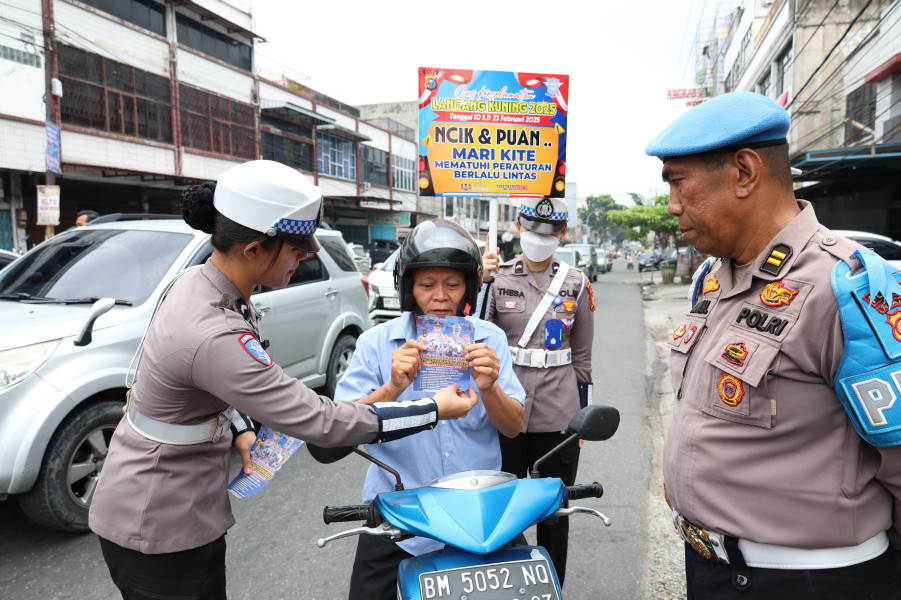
<point x="551" y="293"/>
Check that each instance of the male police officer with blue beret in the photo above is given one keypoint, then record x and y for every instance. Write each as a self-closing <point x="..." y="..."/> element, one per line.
<point x="782" y="462"/>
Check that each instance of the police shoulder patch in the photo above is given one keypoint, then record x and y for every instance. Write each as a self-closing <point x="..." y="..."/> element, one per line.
<point x="255" y="349"/>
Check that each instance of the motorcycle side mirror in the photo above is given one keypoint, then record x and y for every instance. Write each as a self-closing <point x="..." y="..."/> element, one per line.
<point x="595" y="423"/>
<point x="327" y="456"/>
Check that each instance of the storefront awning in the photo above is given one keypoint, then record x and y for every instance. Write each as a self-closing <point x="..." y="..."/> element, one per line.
<point x="848" y="162"/>
<point x="344" y="133"/>
<point x="292" y="113"/>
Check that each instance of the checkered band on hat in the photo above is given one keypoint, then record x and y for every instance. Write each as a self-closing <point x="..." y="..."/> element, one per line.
<point x="296" y="227"/>
<point x="530" y="212"/>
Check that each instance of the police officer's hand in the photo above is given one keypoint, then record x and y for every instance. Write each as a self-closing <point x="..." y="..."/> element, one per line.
<point x="486" y="366"/>
<point x="453" y="403"/>
<point x="405" y="364"/>
<point x="243" y="446"/>
<point x="490" y="261"/>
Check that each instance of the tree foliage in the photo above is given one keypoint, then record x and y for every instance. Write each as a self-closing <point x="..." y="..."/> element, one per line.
<point x="595" y="214"/>
<point x="645" y="217"/>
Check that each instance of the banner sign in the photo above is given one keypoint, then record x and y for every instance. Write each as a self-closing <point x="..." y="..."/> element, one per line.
<point x="484" y="133"/>
<point x="401" y="219"/>
<point x="51" y="134"/>
<point x="48" y="205"/>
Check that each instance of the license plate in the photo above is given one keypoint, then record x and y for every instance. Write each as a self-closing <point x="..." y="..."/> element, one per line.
<point x="392" y="302"/>
<point x="516" y="580"/>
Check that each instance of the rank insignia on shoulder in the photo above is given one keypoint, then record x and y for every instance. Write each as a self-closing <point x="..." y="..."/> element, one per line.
<point x="590" y="295"/>
<point x="255" y="349"/>
<point x="736" y="353"/>
<point x="776" y="260"/>
<point x="730" y="389"/>
<point x="776" y="294"/>
<point x="712" y="284"/>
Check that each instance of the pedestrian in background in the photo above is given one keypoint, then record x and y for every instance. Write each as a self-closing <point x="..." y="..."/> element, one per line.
<point x="85" y="216"/>
<point x="161" y="508"/>
<point x="780" y="462"/>
<point x="546" y="310"/>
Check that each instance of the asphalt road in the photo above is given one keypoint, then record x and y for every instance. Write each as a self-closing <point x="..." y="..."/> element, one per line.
<point x="272" y="550"/>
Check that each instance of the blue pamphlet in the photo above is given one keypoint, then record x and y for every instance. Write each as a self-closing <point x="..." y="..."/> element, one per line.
<point x="443" y="362"/>
<point x="270" y="452"/>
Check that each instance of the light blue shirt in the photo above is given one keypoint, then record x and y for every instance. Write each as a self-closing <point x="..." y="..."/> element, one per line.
<point x="453" y="446"/>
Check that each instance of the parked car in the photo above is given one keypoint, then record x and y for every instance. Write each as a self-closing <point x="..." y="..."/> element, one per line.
<point x="361" y="258"/>
<point x="74" y="310"/>
<point x="384" y="303"/>
<point x="7" y="257"/>
<point x="648" y="261"/>
<point x="605" y="260"/>
<point x="572" y="257"/>
<point x="380" y="250"/>
<point x="886" y="247"/>
<point x="590" y="256"/>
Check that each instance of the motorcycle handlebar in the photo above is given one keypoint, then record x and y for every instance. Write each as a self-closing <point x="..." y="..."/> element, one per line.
<point x="360" y="512"/>
<point x="591" y="490"/>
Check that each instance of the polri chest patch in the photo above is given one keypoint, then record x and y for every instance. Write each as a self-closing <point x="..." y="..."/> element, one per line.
<point x="255" y="349"/>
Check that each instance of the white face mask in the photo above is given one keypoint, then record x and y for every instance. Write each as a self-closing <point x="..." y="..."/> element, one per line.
<point x="536" y="246"/>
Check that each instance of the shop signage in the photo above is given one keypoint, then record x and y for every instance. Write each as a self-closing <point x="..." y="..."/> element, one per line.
<point x="48" y="205"/>
<point x="397" y="219"/>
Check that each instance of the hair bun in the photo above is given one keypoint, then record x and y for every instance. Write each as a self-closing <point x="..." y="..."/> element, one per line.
<point x="197" y="206"/>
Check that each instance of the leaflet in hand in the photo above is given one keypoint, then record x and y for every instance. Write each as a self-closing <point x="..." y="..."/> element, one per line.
<point x="270" y="452"/>
<point x="443" y="362"/>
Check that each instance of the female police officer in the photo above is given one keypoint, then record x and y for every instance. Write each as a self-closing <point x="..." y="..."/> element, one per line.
<point x="161" y="508"/>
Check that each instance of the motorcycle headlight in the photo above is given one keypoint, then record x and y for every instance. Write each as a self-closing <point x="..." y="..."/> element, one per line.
<point x="17" y="364"/>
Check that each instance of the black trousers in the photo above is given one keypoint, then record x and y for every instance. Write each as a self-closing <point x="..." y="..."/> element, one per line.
<point x="196" y="574"/>
<point x="518" y="455"/>
<point x="374" y="575"/>
<point x="876" y="579"/>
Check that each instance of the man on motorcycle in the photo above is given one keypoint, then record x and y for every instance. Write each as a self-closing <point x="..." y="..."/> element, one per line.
<point x="438" y="272"/>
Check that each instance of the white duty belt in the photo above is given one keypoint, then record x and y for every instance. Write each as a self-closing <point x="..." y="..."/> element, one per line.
<point x="178" y="435"/>
<point x="541" y="358"/>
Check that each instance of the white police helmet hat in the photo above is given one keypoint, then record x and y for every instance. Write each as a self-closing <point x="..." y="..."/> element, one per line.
<point x="271" y="198"/>
<point x="543" y="215"/>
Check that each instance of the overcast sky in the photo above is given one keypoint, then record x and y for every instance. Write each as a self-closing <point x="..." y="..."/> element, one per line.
<point x="621" y="57"/>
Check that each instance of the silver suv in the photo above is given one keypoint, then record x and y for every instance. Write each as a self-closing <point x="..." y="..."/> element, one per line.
<point x="73" y="311"/>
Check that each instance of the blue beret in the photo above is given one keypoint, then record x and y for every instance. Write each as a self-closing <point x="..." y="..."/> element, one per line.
<point x="728" y="121"/>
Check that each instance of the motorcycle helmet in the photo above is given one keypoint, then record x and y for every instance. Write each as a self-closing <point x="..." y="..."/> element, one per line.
<point x="543" y="215"/>
<point x="271" y="198"/>
<point x="439" y="243"/>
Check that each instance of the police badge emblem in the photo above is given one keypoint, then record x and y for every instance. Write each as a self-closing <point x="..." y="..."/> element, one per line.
<point x="544" y="209"/>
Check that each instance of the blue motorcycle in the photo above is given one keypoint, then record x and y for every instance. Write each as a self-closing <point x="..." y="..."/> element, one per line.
<point x="480" y="516"/>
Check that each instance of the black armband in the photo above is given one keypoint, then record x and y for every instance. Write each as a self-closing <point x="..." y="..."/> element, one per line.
<point x="585" y="392"/>
<point x="400" y="419"/>
<point x="241" y="423"/>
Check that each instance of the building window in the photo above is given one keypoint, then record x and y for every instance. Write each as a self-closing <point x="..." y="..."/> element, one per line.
<point x="860" y="114"/>
<point x="404" y="173"/>
<point x="784" y="72"/>
<point x="142" y="13"/>
<point x="449" y="207"/>
<point x="216" y="123"/>
<point x="212" y="43"/>
<point x="110" y="96"/>
<point x="293" y="153"/>
<point x="337" y="157"/>
<point x="375" y="165"/>
<point x="286" y="127"/>
<point x="763" y="86"/>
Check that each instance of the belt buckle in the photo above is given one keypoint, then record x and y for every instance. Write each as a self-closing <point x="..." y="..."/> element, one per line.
<point x="223" y="422"/>
<point x="538" y="359"/>
<point x="706" y="543"/>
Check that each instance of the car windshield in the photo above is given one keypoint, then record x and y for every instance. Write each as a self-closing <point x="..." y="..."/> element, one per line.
<point x="566" y="255"/>
<point x="359" y="250"/>
<point x="389" y="262"/>
<point x="98" y="263"/>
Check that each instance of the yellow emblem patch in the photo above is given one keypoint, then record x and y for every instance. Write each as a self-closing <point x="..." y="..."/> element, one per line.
<point x="731" y="389"/>
<point x="776" y="294"/>
<point x="679" y="332"/>
<point x="712" y="284"/>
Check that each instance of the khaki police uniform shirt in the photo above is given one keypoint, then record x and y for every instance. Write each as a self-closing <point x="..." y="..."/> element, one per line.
<point x="552" y="394"/>
<point x="157" y="498"/>
<point x="759" y="446"/>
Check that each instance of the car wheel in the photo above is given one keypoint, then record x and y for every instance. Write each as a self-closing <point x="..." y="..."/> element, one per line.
<point x="62" y="494"/>
<point x="595" y="276"/>
<point x="339" y="362"/>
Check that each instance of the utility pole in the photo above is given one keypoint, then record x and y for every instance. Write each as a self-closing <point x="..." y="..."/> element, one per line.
<point x="50" y="101"/>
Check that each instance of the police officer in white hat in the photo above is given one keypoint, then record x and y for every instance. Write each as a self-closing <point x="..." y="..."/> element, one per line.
<point x="161" y="508"/>
<point x="546" y="309"/>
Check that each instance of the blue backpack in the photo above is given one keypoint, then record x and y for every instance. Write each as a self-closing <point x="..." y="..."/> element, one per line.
<point x="868" y="380"/>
